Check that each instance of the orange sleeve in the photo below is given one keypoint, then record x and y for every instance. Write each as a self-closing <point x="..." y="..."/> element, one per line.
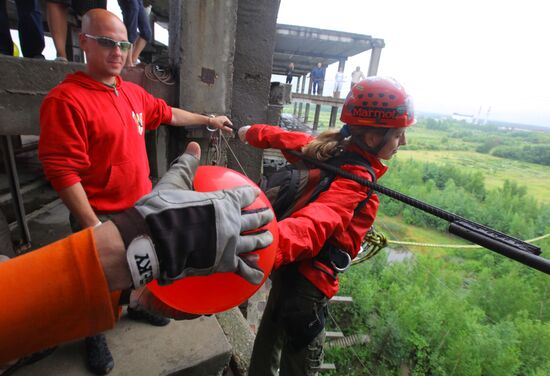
<point x="53" y="295"/>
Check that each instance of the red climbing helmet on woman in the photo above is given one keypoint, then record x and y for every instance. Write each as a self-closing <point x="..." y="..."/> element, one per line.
<point x="378" y="102"/>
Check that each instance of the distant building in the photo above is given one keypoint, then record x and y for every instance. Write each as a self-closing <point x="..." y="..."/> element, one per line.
<point x="464" y="117"/>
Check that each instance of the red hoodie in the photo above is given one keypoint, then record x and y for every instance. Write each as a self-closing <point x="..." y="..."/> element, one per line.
<point x="95" y="134"/>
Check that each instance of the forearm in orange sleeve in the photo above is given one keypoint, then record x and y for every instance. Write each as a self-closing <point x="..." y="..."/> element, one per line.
<point x="53" y="295"/>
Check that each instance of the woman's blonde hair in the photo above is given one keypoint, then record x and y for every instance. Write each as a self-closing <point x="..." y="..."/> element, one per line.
<point x="331" y="143"/>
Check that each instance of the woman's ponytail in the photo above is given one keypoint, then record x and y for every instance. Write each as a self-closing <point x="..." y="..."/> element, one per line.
<point x="327" y="145"/>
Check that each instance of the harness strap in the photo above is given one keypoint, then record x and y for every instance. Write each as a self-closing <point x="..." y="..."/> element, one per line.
<point x="313" y="181"/>
<point x="329" y="256"/>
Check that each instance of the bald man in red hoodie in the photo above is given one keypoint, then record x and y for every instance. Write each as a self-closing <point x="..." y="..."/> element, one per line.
<point x="92" y="141"/>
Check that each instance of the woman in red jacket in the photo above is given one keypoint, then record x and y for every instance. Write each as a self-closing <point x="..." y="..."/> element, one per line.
<point x="376" y="114"/>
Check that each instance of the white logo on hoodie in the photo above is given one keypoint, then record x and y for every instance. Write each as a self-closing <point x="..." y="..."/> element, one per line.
<point x="138" y="118"/>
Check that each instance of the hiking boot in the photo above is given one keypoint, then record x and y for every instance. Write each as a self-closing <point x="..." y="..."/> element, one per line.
<point x="148" y="317"/>
<point x="25" y="361"/>
<point x="98" y="357"/>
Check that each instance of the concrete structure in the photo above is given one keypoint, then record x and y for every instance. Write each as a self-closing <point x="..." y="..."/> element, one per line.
<point x="305" y="47"/>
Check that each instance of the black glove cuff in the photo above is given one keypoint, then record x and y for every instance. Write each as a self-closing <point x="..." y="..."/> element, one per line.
<point x="130" y="224"/>
<point x="140" y="251"/>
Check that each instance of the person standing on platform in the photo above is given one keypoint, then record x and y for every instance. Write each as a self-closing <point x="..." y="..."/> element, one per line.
<point x="317" y="77"/>
<point x="289" y="71"/>
<point x="356" y="76"/>
<point x="338" y="82"/>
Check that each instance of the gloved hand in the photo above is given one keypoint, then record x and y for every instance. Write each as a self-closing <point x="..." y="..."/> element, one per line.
<point x="174" y="232"/>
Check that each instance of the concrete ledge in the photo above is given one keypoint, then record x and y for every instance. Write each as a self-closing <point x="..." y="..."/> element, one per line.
<point x="240" y="336"/>
<point x="192" y="348"/>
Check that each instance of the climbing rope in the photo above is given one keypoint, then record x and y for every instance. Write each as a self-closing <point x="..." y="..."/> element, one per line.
<point x="234" y="155"/>
<point x="456" y="245"/>
<point x="375" y="241"/>
<point x="155" y="72"/>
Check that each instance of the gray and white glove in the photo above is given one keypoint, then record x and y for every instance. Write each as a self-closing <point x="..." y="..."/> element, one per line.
<point x="174" y="232"/>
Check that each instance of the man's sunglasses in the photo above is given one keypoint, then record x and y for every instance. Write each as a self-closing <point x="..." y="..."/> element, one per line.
<point x="110" y="43"/>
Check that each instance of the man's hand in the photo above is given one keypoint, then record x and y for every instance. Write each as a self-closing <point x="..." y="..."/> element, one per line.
<point x="220" y="122"/>
<point x="173" y="232"/>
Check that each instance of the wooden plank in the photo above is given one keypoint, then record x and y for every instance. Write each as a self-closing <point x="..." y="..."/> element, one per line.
<point x="327" y="367"/>
<point x="341" y="299"/>
<point x="334" y="334"/>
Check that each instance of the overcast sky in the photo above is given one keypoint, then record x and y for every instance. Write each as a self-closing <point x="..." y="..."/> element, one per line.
<point x="452" y="56"/>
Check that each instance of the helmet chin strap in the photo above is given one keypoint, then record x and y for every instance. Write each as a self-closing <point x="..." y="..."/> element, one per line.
<point x="373" y="150"/>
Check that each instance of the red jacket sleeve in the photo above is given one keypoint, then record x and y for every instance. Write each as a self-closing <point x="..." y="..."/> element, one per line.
<point x="63" y="143"/>
<point x="268" y="136"/>
<point x="53" y="295"/>
<point x="156" y="111"/>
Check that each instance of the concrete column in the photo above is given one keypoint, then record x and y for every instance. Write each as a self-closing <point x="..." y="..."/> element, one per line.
<point x="297" y="90"/>
<point x="303" y="91"/>
<point x="204" y="52"/>
<point x="341" y="64"/>
<point x="332" y="121"/>
<point x="255" y="42"/>
<point x="376" y="51"/>
<point x="202" y="47"/>
<point x="316" y="118"/>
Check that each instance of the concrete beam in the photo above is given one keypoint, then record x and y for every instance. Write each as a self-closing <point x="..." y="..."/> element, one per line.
<point x="317" y="99"/>
<point x="23" y="85"/>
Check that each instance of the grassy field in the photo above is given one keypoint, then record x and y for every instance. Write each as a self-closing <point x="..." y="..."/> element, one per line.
<point x="496" y="170"/>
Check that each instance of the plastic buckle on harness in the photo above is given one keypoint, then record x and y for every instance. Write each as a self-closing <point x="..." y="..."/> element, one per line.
<point x="340" y="260"/>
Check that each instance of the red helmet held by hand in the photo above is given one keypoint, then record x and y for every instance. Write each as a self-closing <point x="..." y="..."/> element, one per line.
<point x="378" y="102"/>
